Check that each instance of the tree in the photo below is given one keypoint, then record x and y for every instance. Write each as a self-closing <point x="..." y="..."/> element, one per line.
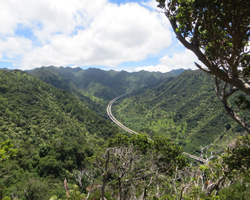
<point x="132" y="167"/>
<point x="7" y="151"/>
<point x="218" y="33"/>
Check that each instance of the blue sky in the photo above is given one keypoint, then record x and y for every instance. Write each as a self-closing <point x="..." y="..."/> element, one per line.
<point x="108" y="34"/>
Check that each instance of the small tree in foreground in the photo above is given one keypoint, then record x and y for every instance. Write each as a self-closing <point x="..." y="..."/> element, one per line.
<point x="218" y="33"/>
<point x="231" y="168"/>
<point x="136" y="167"/>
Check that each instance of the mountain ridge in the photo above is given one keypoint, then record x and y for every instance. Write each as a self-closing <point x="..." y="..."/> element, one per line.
<point x="184" y="109"/>
<point x="96" y="87"/>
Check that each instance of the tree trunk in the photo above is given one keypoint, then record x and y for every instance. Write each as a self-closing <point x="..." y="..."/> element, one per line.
<point x="120" y="189"/>
<point x="105" y="175"/>
<point x="90" y="189"/>
<point x="213" y="186"/>
<point x="104" y="183"/>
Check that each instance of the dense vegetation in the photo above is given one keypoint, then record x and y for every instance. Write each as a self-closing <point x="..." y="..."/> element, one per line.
<point x="217" y="32"/>
<point x="52" y="131"/>
<point x="131" y="167"/>
<point x="97" y="87"/>
<point x="184" y="109"/>
<point x="49" y="137"/>
<point x="52" y="146"/>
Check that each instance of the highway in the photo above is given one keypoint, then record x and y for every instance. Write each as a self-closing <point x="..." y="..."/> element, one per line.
<point x="131" y="131"/>
<point x="114" y="119"/>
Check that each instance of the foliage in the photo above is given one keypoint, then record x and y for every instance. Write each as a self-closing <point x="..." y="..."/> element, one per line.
<point x="51" y="132"/>
<point x="213" y="28"/>
<point x="54" y="136"/>
<point x="6" y="150"/>
<point x="238" y="190"/>
<point x="132" y="166"/>
<point x="228" y="171"/>
<point x="218" y="33"/>
<point x="184" y="109"/>
<point x="237" y="157"/>
<point x="35" y="111"/>
<point x="95" y="87"/>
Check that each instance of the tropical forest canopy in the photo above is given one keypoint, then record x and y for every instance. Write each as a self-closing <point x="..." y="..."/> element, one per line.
<point x="56" y="141"/>
<point x="50" y="135"/>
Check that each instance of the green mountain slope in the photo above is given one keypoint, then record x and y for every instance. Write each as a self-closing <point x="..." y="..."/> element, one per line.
<point x="97" y="87"/>
<point x="53" y="133"/>
<point x="185" y="109"/>
<point x="35" y="111"/>
<point x="66" y="79"/>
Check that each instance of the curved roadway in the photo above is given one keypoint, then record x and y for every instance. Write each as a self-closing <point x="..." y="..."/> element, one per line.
<point x="131" y="131"/>
<point x="114" y="119"/>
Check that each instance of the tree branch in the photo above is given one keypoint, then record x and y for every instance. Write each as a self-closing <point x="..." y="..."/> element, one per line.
<point x="213" y="69"/>
<point x="223" y="97"/>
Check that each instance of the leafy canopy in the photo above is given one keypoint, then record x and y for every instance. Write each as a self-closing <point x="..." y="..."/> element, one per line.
<point x="6" y="150"/>
<point x="217" y="32"/>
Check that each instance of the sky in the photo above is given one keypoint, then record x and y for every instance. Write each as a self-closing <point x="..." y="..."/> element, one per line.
<point x="130" y="35"/>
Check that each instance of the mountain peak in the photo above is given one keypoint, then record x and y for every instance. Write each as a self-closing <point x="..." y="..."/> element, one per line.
<point x="178" y="71"/>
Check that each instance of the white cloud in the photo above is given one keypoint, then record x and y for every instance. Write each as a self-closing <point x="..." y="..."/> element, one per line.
<point x="179" y="60"/>
<point x="152" y="68"/>
<point x="13" y="46"/>
<point x="117" y="34"/>
<point x="80" y="32"/>
<point x="47" y="17"/>
<point x="152" y="5"/>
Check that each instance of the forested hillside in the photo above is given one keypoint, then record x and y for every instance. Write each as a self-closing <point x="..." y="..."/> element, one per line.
<point x="52" y="131"/>
<point x="97" y="87"/>
<point x="184" y="109"/>
<point x="56" y="141"/>
<point x="67" y="79"/>
<point x="100" y="83"/>
<point x="47" y="135"/>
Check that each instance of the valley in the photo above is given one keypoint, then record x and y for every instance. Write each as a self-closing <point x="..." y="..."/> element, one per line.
<point x="57" y="121"/>
<point x="199" y="159"/>
<point x="182" y="106"/>
<point x="184" y="109"/>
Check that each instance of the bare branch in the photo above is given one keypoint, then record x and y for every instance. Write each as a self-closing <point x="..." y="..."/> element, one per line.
<point x="203" y="69"/>
<point x="223" y="97"/>
<point x="230" y="92"/>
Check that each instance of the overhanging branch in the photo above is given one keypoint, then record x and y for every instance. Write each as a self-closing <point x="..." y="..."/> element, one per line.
<point x="212" y="68"/>
<point x="223" y="95"/>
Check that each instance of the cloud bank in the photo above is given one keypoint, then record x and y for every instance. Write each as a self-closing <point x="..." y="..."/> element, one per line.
<point x="79" y="32"/>
<point x="178" y="60"/>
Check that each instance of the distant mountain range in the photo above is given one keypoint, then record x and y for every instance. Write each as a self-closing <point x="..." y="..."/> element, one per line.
<point x="184" y="108"/>
<point x="178" y="71"/>
<point x="56" y="118"/>
<point x="180" y="104"/>
<point x="32" y="110"/>
<point x="100" y="83"/>
<point x="97" y="87"/>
